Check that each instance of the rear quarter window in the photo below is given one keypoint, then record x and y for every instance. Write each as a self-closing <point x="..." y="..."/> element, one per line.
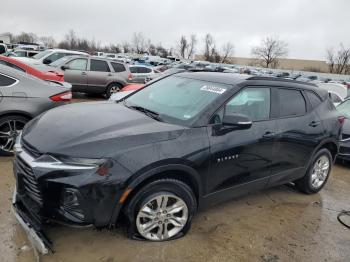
<point x="118" y="67"/>
<point x="314" y="99"/>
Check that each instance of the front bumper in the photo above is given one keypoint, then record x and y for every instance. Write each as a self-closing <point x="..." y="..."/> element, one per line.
<point x="39" y="196"/>
<point x="344" y="150"/>
<point x="35" y="235"/>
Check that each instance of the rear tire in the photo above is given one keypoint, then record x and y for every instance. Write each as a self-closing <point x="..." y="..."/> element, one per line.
<point x="317" y="173"/>
<point x="161" y="210"/>
<point x="112" y="89"/>
<point x="10" y="126"/>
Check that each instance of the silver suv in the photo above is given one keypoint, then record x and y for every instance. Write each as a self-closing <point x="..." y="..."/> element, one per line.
<point x="94" y="75"/>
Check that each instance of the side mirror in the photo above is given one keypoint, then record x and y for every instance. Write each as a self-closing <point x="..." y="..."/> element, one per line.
<point x="64" y="67"/>
<point x="237" y="122"/>
<point x="47" y="61"/>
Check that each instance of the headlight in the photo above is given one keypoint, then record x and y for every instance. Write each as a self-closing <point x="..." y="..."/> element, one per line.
<point x="82" y="161"/>
<point x="17" y="146"/>
<point x="101" y="165"/>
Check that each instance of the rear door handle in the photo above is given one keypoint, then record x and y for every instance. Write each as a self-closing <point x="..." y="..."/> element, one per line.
<point x="269" y="134"/>
<point x="109" y="74"/>
<point x="314" y="123"/>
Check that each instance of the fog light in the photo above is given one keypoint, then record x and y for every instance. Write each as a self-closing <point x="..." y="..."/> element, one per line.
<point x="70" y="204"/>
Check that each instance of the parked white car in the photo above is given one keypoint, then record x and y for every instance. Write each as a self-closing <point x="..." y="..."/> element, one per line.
<point x="142" y="74"/>
<point x="48" y="56"/>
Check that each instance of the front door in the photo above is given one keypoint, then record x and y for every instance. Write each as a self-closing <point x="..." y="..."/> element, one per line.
<point x="241" y="160"/>
<point x="76" y="74"/>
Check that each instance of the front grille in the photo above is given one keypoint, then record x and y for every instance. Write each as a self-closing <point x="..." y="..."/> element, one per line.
<point x="29" y="183"/>
<point x="345" y="136"/>
<point x="30" y="149"/>
<point x="344" y="150"/>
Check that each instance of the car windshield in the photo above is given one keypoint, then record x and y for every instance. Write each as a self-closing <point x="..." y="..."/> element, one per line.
<point x="42" y="54"/>
<point x="344" y="108"/>
<point x="177" y="100"/>
<point x="60" y="61"/>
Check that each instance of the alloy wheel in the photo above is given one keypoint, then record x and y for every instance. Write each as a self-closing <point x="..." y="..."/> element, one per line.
<point x="320" y="171"/>
<point x="162" y="217"/>
<point x="114" y="89"/>
<point x="9" y="131"/>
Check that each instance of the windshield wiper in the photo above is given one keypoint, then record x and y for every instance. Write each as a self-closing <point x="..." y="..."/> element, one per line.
<point x="146" y="111"/>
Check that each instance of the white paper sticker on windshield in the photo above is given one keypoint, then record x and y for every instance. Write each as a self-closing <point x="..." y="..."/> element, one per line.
<point x="213" y="89"/>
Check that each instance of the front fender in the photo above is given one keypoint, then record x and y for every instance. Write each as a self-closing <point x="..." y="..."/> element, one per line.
<point x="139" y="177"/>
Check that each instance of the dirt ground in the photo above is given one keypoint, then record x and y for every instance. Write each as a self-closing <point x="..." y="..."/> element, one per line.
<point x="278" y="224"/>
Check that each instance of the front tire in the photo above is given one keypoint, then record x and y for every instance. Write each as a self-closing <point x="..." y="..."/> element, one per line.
<point x="162" y="210"/>
<point x="317" y="174"/>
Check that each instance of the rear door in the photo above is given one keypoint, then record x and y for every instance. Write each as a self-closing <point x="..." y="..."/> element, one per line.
<point x="241" y="160"/>
<point x="99" y="76"/>
<point x="298" y="134"/>
<point x="76" y="74"/>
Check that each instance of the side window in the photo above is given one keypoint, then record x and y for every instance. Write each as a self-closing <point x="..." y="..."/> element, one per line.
<point x="252" y="102"/>
<point x="133" y="70"/>
<point x="144" y="70"/>
<point x="6" y="81"/>
<point x="21" y="53"/>
<point x="118" y="67"/>
<point x="292" y="103"/>
<point x="99" y="66"/>
<point x="314" y="99"/>
<point x="78" y="64"/>
<point x="11" y="65"/>
<point x="335" y="98"/>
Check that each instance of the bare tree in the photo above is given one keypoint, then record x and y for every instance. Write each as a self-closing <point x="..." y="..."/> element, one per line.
<point x="48" y="41"/>
<point x="270" y="51"/>
<point x="227" y="52"/>
<point x="26" y="37"/>
<point x="191" y="46"/>
<point x="210" y="52"/>
<point x="139" y="42"/>
<point x="182" y="46"/>
<point x="126" y="47"/>
<point x="331" y="59"/>
<point x="338" y="60"/>
<point x="342" y="59"/>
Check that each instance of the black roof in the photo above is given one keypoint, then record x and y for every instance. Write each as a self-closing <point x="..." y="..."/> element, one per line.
<point x="233" y="79"/>
<point x="216" y="77"/>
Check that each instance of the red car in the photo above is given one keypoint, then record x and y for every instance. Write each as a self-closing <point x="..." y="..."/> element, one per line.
<point x="48" y="76"/>
<point x="132" y="87"/>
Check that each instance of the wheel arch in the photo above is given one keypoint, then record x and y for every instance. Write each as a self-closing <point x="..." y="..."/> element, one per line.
<point x="118" y="82"/>
<point x="179" y="172"/>
<point x="16" y="113"/>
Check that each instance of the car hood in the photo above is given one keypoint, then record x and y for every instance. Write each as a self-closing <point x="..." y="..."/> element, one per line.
<point x="95" y="129"/>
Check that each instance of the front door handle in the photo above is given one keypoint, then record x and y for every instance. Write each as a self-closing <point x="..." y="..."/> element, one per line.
<point x="109" y="74"/>
<point x="269" y="134"/>
<point x="314" y="123"/>
<point x="83" y="73"/>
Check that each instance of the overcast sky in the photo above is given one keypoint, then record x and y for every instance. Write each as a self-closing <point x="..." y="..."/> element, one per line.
<point x="309" y="27"/>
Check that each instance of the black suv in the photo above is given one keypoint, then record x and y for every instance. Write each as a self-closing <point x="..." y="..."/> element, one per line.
<point x="178" y="145"/>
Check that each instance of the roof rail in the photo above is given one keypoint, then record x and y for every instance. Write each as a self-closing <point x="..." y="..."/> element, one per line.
<point x="280" y="79"/>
